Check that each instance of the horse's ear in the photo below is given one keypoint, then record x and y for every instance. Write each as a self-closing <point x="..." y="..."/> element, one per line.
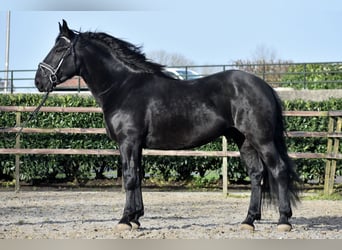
<point x="65" y="31"/>
<point x="60" y="27"/>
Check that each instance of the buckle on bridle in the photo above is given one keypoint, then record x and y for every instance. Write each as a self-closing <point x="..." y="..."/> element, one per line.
<point x="53" y="79"/>
<point x="51" y="72"/>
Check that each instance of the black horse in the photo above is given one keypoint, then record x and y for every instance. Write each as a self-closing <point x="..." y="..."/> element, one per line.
<point x="144" y="108"/>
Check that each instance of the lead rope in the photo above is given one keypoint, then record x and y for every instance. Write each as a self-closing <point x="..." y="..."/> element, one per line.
<point x="33" y="114"/>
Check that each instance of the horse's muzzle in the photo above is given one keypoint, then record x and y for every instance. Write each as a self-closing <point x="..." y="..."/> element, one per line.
<point x="42" y="83"/>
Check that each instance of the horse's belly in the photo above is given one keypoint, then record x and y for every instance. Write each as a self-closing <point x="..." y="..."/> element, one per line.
<point x="183" y="135"/>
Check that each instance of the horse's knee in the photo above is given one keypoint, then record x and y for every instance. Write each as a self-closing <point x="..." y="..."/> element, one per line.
<point x="132" y="179"/>
<point x="130" y="182"/>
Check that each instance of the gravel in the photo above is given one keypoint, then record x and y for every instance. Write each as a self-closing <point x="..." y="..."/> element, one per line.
<point x="168" y="215"/>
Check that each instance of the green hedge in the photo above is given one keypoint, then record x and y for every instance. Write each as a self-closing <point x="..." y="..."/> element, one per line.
<point x="313" y="76"/>
<point x="53" y="168"/>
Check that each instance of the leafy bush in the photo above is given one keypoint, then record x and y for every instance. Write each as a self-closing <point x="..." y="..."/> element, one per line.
<point x="313" y="76"/>
<point x="53" y="168"/>
<point x="310" y="169"/>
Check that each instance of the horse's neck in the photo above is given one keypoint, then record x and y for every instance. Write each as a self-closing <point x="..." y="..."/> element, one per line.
<point x="103" y="77"/>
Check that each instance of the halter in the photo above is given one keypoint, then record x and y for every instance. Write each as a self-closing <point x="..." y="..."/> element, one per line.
<point x="53" y="71"/>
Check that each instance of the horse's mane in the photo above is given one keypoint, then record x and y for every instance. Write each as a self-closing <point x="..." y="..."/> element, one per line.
<point x="128" y="54"/>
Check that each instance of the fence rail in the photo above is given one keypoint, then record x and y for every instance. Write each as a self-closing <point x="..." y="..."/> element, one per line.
<point x="333" y="134"/>
<point x="299" y="75"/>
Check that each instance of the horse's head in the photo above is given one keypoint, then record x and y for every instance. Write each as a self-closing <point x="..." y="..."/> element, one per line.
<point x="60" y="63"/>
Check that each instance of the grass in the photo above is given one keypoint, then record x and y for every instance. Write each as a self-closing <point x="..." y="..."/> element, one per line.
<point x="7" y="184"/>
<point x="238" y="195"/>
<point x="319" y="195"/>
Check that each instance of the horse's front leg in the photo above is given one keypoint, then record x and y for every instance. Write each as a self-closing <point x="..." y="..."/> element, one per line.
<point x="132" y="174"/>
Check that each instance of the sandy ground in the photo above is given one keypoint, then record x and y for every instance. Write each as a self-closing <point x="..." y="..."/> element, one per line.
<point x="168" y="215"/>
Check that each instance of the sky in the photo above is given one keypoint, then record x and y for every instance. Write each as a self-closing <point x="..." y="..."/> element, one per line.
<point x="204" y="31"/>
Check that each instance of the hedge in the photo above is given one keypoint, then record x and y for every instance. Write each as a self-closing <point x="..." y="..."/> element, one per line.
<point x="53" y="168"/>
<point x="313" y="76"/>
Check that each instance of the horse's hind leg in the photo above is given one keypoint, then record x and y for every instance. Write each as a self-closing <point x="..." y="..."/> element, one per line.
<point x="279" y="182"/>
<point x="255" y="170"/>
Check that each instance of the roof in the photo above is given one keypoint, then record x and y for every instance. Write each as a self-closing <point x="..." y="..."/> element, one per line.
<point x="75" y="83"/>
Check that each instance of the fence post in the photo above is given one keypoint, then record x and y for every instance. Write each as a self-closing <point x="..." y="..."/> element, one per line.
<point x="335" y="151"/>
<point x="17" y="156"/>
<point x="333" y="145"/>
<point x="224" y="167"/>
<point x="332" y="148"/>
<point x="328" y="163"/>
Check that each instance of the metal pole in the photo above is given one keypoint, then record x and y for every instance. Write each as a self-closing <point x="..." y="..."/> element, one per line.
<point x="7" y="49"/>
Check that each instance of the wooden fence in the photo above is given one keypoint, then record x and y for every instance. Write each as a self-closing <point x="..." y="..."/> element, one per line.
<point x="333" y="134"/>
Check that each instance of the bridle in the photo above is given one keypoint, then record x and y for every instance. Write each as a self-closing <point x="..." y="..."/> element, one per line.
<point x="52" y="71"/>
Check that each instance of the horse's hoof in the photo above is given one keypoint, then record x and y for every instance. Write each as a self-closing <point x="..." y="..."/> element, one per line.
<point x="123" y="227"/>
<point x="135" y="225"/>
<point x="284" y="227"/>
<point x="248" y="227"/>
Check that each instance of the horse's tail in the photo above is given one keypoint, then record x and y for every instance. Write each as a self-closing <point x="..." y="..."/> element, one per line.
<point x="270" y="187"/>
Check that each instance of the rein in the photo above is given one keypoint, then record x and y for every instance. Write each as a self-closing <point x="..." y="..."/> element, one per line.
<point x="33" y="114"/>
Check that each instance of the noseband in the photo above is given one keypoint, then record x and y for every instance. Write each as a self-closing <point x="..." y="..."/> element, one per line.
<point x="52" y="72"/>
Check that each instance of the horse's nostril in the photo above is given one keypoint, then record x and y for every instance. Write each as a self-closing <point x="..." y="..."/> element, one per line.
<point x="39" y="85"/>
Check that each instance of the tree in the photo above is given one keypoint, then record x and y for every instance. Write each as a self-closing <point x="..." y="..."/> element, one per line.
<point x="264" y="54"/>
<point x="264" y="63"/>
<point x="169" y="59"/>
